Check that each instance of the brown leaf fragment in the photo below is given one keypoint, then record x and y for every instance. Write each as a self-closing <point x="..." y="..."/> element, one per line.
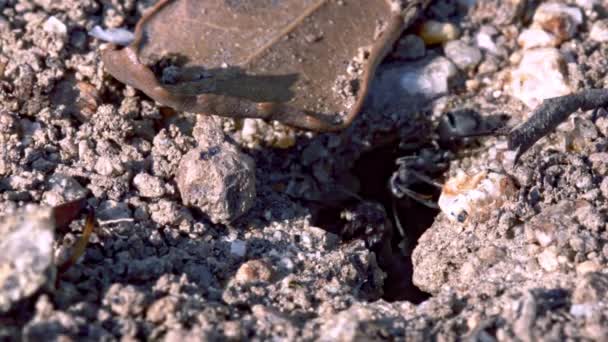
<point x="306" y="63"/>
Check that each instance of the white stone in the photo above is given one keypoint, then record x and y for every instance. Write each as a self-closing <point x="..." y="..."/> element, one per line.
<point x="485" y="40"/>
<point x="411" y="84"/>
<point x="54" y="25"/>
<point x="582" y="310"/>
<point x="463" y="55"/>
<point x="536" y="37"/>
<point x="249" y="132"/>
<point x="431" y="80"/>
<point x="599" y="31"/>
<point x="118" y="36"/>
<point x="547" y="259"/>
<point x="539" y="76"/>
<point x="558" y="19"/>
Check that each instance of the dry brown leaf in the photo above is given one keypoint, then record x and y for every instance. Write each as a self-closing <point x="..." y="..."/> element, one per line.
<point x="306" y="63"/>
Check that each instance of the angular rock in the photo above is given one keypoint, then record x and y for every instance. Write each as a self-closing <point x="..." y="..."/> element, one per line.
<point x="535" y="37"/>
<point x="599" y="31"/>
<point x="254" y="271"/>
<point x="148" y="185"/>
<point x="410" y="85"/>
<point x="463" y="55"/>
<point x="113" y="211"/>
<point x="558" y="19"/>
<point x="552" y="24"/>
<point x="540" y="75"/>
<point x="62" y="188"/>
<point x="26" y="261"/>
<point x="215" y="176"/>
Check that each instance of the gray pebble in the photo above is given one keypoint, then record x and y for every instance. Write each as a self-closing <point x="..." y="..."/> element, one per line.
<point x="411" y="85"/>
<point x="26" y="263"/>
<point x="63" y="188"/>
<point x="465" y="56"/>
<point x="216" y="177"/>
<point x="148" y="185"/>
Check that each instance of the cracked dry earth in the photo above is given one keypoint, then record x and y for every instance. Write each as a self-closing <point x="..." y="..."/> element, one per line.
<point x="296" y="266"/>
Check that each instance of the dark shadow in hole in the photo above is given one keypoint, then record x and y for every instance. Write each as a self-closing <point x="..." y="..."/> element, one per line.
<point x="373" y="170"/>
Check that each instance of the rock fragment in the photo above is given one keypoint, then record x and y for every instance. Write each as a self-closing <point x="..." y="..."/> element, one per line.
<point x="412" y="84"/>
<point x="599" y="31"/>
<point x="465" y="56"/>
<point x="148" y="185"/>
<point x="486" y="39"/>
<point x="253" y="271"/>
<point x="553" y="23"/>
<point x="548" y="260"/>
<point x="436" y="32"/>
<point x="215" y="176"/>
<point x="559" y="19"/>
<point x="113" y="211"/>
<point x="54" y="25"/>
<point x="592" y="288"/>
<point x="26" y="261"/>
<point x="464" y="196"/>
<point x="63" y="188"/>
<point x="541" y="74"/>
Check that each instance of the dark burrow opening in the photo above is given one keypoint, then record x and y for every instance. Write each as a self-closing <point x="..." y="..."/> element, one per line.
<point x="384" y="216"/>
<point x="374" y="170"/>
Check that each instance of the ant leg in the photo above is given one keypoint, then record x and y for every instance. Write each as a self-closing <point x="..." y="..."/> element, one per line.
<point x="426" y="179"/>
<point x="399" y="191"/>
<point x="397" y="220"/>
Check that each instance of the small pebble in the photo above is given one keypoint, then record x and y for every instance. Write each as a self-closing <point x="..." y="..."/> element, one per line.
<point x="539" y="76"/>
<point x="536" y="37"/>
<point x="113" y="211"/>
<point x="599" y="31"/>
<point x="485" y="39"/>
<point x="581" y="310"/>
<point x="118" y="36"/>
<point x="148" y="185"/>
<point x="464" y="197"/>
<point x="158" y="311"/>
<point x="253" y="271"/>
<point x="558" y="19"/>
<point x="105" y="166"/>
<point x="587" y="267"/>
<point x="465" y="56"/>
<point x="54" y="25"/>
<point x="435" y="32"/>
<point x="547" y="259"/>
<point x="62" y="189"/>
